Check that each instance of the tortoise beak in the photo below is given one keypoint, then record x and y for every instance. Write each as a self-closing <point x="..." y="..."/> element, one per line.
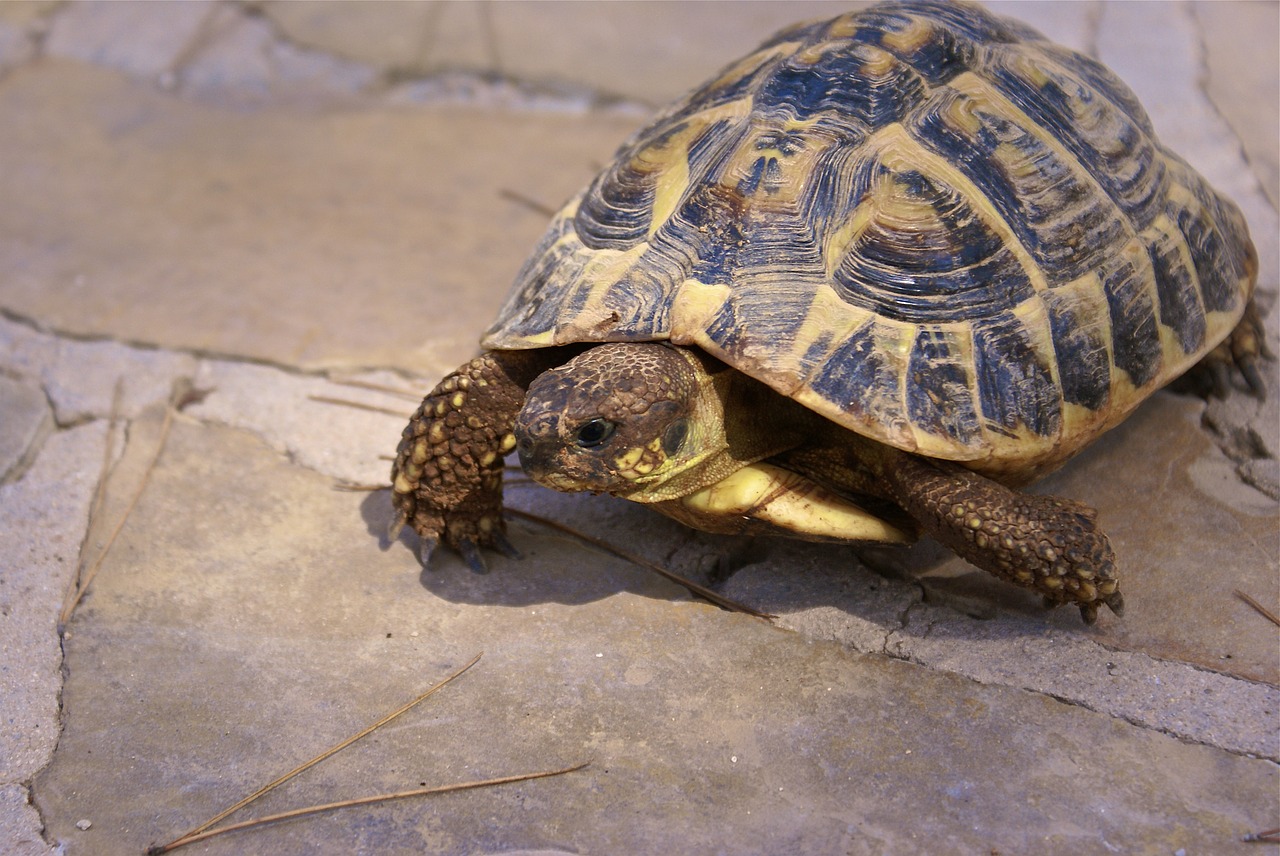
<point x="536" y="447"/>
<point x="540" y="467"/>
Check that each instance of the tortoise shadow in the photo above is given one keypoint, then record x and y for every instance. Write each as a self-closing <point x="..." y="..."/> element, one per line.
<point x="553" y="567"/>
<point x="872" y="584"/>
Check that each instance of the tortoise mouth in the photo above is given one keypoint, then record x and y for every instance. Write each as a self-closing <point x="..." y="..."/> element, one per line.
<point x="556" y="481"/>
<point x="544" y="463"/>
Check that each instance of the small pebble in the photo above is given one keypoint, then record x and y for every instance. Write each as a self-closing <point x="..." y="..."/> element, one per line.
<point x="83" y="824"/>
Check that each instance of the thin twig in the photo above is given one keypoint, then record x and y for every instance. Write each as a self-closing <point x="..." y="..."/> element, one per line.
<point x="113" y="428"/>
<point x="99" y="493"/>
<point x="532" y="204"/>
<point x="191" y="836"/>
<point x="1266" y="613"/>
<point x="354" y="487"/>
<point x="1266" y="836"/>
<point x="701" y="591"/>
<point x="378" y="387"/>
<point x="418" y="792"/>
<point x="180" y="395"/>
<point x="357" y="405"/>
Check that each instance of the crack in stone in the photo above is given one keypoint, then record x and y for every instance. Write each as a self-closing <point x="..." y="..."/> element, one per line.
<point x="37" y="326"/>
<point x="201" y="39"/>
<point x="902" y="651"/>
<point x="29" y="786"/>
<point x="1203" y="76"/>
<point x="1148" y="726"/>
<point x="445" y="85"/>
<point x="48" y="425"/>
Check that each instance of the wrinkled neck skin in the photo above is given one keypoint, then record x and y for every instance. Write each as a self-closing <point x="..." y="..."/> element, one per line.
<point x="752" y="423"/>
<point x="736" y="421"/>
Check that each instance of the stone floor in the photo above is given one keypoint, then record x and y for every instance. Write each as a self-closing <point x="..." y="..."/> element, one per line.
<point x="269" y="200"/>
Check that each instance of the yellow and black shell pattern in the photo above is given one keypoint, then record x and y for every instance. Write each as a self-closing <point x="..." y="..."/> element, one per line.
<point x="923" y="221"/>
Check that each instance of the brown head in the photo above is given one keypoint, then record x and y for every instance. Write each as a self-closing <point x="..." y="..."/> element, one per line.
<point x="619" y="418"/>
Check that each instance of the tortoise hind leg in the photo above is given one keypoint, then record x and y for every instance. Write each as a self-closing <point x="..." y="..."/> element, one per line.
<point x="1241" y="350"/>
<point x="446" y="481"/>
<point x="1046" y="543"/>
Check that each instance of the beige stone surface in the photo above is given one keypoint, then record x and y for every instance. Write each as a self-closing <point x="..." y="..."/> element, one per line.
<point x="43" y="519"/>
<point x="1243" y="79"/>
<point x="139" y="37"/>
<point x="27" y="12"/>
<point x="304" y="193"/>
<point x="632" y="49"/>
<point x="27" y="420"/>
<point x="636" y="50"/>
<point x="243" y="623"/>
<point x="309" y="239"/>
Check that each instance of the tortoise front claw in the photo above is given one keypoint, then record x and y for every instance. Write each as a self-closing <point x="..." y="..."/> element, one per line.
<point x="472" y="556"/>
<point x="426" y="548"/>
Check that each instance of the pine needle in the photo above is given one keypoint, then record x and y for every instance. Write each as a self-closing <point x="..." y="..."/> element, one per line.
<point x="72" y="594"/>
<point x="378" y="387"/>
<point x="181" y="395"/>
<point x="192" y="835"/>
<point x="532" y="204"/>
<point x="356" y="487"/>
<point x="315" y="809"/>
<point x="1266" y="613"/>
<point x="357" y="405"/>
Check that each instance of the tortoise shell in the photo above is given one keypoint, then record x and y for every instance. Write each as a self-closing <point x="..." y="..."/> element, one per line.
<point x="923" y="221"/>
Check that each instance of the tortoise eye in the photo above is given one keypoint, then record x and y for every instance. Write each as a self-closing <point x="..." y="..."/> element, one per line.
<point x="594" y="432"/>
<point x="673" y="437"/>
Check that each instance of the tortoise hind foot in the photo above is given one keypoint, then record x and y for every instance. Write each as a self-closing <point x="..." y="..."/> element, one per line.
<point x="1241" y="351"/>
<point x="1045" y="543"/>
<point x="1089" y="611"/>
<point x="447" y="477"/>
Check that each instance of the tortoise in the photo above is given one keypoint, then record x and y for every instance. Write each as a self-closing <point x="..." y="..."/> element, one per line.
<point x="862" y="285"/>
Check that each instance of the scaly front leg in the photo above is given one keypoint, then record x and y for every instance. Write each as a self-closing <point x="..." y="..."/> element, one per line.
<point x="446" y="481"/>
<point x="1047" y="543"/>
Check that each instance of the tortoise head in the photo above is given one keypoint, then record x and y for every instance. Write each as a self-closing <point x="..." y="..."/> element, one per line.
<point x="618" y="418"/>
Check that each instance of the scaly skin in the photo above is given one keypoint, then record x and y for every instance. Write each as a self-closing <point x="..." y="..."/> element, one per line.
<point x="1050" y="544"/>
<point x="447" y="477"/>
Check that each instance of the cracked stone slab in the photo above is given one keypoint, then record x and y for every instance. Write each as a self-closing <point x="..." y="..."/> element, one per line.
<point x="43" y="516"/>
<point x="80" y="376"/>
<point x="144" y="39"/>
<point x="1239" y="81"/>
<point x="632" y="50"/>
<point x="241" y="59"/>
<point x="308" y="238"/>
<point x="25" y="419"/>
<point x="1193" y="704"/>
<point x="242" y="623"/>
<point x="302" y="416"/>
<point x="20" y="824"/>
